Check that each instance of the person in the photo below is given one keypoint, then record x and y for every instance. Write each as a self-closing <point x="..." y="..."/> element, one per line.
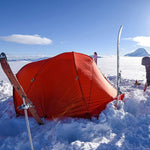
<point x="147" y="67"/>
<point x="95" y="57"/>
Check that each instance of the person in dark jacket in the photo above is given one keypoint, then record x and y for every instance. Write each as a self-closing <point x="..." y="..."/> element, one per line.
<point x="147" y="67"/>
<point x="95" y="57"/>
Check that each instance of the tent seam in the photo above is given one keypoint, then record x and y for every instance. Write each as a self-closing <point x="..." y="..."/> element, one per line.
<point x="79" y="82"/>
<point x="35" y="77"/>
<point x="91" y="86"/>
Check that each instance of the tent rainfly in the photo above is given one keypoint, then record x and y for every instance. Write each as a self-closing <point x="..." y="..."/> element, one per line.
<point x="67" y="85"/>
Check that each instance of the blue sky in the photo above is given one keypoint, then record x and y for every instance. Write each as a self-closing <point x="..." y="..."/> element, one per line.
<point x="50" y="27"/>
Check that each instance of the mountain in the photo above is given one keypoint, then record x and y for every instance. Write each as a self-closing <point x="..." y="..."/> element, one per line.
<point x="140" y="52"/>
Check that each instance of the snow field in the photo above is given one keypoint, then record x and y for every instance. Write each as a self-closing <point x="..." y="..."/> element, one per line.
<point x="125" y="129"/>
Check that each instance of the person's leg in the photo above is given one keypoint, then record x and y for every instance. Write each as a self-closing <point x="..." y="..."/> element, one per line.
<point x="145" y="87"/>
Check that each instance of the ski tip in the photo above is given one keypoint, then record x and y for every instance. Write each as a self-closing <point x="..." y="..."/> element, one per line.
<point x="3" y="56"/>
<point x="121" y="27"/>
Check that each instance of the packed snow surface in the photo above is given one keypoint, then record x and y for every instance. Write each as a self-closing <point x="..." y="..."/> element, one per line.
<point x="127" y="128"/>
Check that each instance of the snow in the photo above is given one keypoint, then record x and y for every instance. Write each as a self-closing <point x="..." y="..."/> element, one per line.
<point x="125" y="129"/>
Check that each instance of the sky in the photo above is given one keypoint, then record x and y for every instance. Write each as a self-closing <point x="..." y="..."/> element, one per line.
<point x="51" y="27"/>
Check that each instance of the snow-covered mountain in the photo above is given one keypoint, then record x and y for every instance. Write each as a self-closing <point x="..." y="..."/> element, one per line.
<point x="140" y="52"/>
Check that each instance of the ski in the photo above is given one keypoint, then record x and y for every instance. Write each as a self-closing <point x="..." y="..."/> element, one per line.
<point x="13" y="80"/>
<point x="118" y="69"/>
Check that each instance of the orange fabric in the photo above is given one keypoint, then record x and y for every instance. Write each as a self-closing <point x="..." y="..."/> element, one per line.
<point x="69" y="84"/>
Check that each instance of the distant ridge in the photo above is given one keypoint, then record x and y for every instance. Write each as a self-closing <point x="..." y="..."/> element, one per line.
<point x="93" y="56"/>
<point x="140" y="52"/>
<point x="26" y="58"/>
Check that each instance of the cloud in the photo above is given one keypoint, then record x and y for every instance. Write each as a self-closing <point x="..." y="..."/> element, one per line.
<point x="141" y="40"/>
<point x="27" y="39"/>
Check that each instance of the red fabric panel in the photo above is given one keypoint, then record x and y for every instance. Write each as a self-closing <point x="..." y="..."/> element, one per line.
<point x="69" y="84"/>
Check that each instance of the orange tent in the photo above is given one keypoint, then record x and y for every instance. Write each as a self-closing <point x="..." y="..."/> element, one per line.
<point x="69" y="84"/>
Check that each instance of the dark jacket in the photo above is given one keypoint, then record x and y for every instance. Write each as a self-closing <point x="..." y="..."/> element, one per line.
<point x="148" y="74"/>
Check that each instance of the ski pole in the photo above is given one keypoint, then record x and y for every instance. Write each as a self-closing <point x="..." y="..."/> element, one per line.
<point x="27" y="124"/>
